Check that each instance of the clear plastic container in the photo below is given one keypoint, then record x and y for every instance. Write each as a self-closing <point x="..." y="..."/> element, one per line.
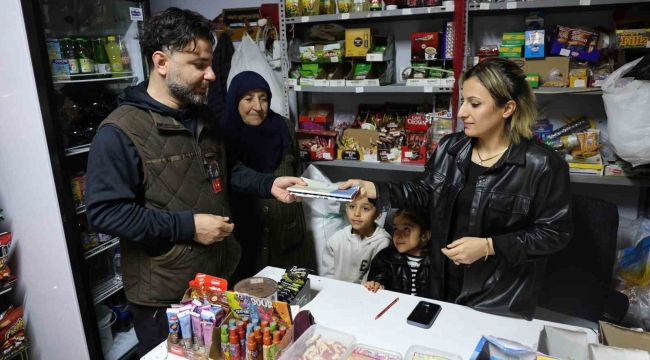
<point x="365" y="352"/>
<point x="417" y="352"/>
<point x="307" y="345"/>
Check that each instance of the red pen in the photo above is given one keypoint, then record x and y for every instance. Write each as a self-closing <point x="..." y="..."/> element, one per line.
<point x="386" y="309"/>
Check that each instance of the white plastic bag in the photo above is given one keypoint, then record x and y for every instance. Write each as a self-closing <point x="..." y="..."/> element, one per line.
<point x="249" y="58"/>
<point x="324" y="217"/>
<point x="627" y="104"/>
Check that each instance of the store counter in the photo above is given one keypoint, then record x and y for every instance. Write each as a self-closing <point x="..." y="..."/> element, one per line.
<point x="351" y="308"/>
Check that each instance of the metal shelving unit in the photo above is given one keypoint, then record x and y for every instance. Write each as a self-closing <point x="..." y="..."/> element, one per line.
<point x="77" y="150"/>
<point x="391" y="89"/>
<point x="401" y="14"/>
<point x="541" y="4"/>
<point x="101" y="248"/>
<point x="104" y="290"/>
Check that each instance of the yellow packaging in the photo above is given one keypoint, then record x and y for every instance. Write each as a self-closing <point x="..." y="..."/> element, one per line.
<point x="294" y="8"/>
<point x="357" y="42"/>
<point x="345" y="6"/>
<point x="310" y="7"/>
<point x="578" y="78"/>
<point x="327" y="7"/>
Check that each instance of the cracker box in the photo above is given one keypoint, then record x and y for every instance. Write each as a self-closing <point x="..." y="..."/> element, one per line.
<point x="414" y="150"/>
<point x="424" y="46"/>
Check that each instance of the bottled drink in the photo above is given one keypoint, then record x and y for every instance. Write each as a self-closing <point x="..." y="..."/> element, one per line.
<point x="71" y="55"/>
<point x="120" y="305"/>
<point x="375" y="5"/>
<point x="117" y="263"/>
<point x="102" y="66"/>
<point x="124" y="54"/>
<point x="86" y="63"/>
<point x="360" y="6"/>
<point x="114" y="58"/>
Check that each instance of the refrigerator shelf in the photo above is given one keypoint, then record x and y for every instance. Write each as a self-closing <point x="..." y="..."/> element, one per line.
<point x="101" y="248"/>
<point x="81" y="209"/>
<point x="104" y="290"/>
<point x="91" y="80"/>
<point x="77" y="150"/>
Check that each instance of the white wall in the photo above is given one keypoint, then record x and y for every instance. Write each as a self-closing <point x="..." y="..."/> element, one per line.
<point x="208" y="8"/>
<point x="28" y="197"/>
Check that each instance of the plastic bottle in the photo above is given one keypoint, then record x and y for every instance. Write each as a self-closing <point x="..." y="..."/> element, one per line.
<point x="124" y="54"/>
<point x="251" y="353"/>
<point x="376" y="5"/>
<point x="235" y="345"/>
<point x="117" y="262"/>
<point x="114" y="57"/>
<point x="345" y="6"/>
<point x="268" y="341"/>
<point x="257" y="331"/>
<point x="102" y="66"/>
<point x="225" y="346"/>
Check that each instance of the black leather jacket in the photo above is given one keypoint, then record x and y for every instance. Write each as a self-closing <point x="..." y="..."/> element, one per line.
<point x="522" y="202"/>
<point x="390" y="269"/>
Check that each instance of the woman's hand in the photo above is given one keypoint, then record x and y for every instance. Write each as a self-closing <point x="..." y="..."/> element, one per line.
<point x="366" y="188"/>
<point x="374" y="286"/>
<point x="467" y="250"/>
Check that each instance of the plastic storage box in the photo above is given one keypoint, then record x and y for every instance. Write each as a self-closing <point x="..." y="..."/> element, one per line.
<point x="319" y="343"/>
<point x="365" y="352"/>
<point x="423" y="353"/>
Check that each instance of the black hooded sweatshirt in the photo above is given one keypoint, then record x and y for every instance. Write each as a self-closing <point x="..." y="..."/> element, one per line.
<point x="114" y="188"/>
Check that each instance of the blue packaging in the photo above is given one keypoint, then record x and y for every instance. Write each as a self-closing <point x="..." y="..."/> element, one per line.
<point x="60" y="69"/>
<point x="534" y="48"/>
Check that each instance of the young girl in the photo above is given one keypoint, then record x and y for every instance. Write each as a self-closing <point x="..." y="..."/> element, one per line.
<point x="406" y="266"/>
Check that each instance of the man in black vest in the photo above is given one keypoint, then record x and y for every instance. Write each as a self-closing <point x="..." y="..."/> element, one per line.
<point x="158" y="175"/>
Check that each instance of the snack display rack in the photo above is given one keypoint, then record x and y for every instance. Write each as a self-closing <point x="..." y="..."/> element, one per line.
<point x="339" y="170"/>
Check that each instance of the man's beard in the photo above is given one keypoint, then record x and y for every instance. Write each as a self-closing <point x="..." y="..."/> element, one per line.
<point x="184" y="91"/>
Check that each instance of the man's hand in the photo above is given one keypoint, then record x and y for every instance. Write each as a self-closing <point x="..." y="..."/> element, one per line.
<point x="280" y="185"/>
<point x="366" y="188"/>
<point x="467" y="250"/>
<point x="209" y="229"/>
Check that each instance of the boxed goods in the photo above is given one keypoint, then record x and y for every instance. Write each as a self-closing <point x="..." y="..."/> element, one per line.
<point x="316" y="145"/>
<point x="358" y="144"/>
<point x="357" y="42"/>
<point x="322" y="52"/>
<point x="578" y="78"/>
<point x="514" y="39"/>
<point x="534" y="47"/>
<point x="632" y="39"/>
<point x="510" y="51"/>
<point x="332" y="75"/>
<point x="414" y="150"/>
<point x="317" y="117"/>
<point x="533" y="80"/>
<point x="319" y="343"/>
<point x="416" y="352"/>
<point x="612" y="335"/>
<point x="424" y="46"/>
<point x="391" y="137"/>
<point x="366" y="352"/>
<point x="294" y="287"/>
<point x="486" y="51"/>
<point x="555" y="65"/>
<point x="365" y="73"/>
<point x="447" y="46"/>
<point x="382" y="48"/>
<point x="575" y="43"/>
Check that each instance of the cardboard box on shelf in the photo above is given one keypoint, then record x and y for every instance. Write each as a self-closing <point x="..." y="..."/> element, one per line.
<point x="317" y="145"/>
<point x="533" y="80"/>
<point x="544" y="66"/>
<point x="576" y="43"/>
<point x="322" y="52"/>
<point x="365" y="73"/>
<point x="358" y="144"/>
<point x="578" y="78"/>
<point x="317" y="117"/>
<point x="513" y="39"/>
<point x="357" y="42"/>
<point x="511" y="51"/>
<point x="382" y="48"/>
<point x="424" y="46"/>
<point x="618" y="336"/>
<point x="332" y="75"/>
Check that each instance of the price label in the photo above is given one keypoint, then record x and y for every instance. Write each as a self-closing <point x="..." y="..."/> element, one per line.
<point x="428" y="89"/>
<point x="585" y="2"/>
<point x="374" y="57"/>
<point x="485" y="6"/>
<point x="647" y="44"/>
<point x="451" y="8"/>
<point x="511" y="5"/>
<point x="345" y="16"/>
<point x="297" y="88"/>
<point x="565" y="52"/>
<point x="327" y="156"/>
<point x="407" y="12"/>
<point x="334" y="59"/>
<point x="304" y="19"/>
<point x="408" y="154"/>
<point x="359" y="89"/>
<point x="136" y="14"/>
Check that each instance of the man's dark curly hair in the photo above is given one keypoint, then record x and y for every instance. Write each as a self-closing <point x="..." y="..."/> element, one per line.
<point x="174" y="29"/>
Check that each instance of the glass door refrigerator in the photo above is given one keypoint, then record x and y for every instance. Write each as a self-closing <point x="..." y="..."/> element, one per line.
<point x="84" y="53"/>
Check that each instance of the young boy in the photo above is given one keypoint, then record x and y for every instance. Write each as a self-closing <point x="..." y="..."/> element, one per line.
<point x="348" y="253"/>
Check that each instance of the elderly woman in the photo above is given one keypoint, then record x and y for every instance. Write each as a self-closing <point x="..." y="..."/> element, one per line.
<point x="498" y="201"/>
<point x="271" y="233"/>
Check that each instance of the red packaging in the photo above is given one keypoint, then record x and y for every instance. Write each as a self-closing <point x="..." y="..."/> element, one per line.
<point x="317" y="145"/>
<point x="414" y="150"/>
<point x="429" y="3"/>
<point x="424" y="46"/>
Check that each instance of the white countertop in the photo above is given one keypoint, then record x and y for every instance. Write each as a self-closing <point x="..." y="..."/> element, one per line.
<point x="352" y="309"/>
